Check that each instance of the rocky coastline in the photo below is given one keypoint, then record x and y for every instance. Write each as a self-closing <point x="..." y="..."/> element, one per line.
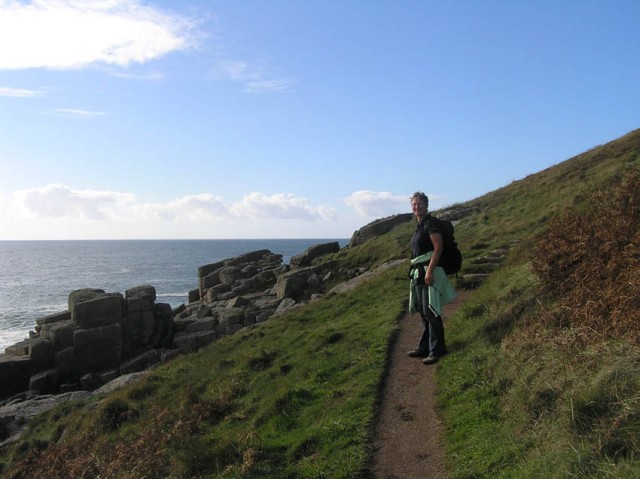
<point x="103" y="335"/>
<point x="105" y="339"/>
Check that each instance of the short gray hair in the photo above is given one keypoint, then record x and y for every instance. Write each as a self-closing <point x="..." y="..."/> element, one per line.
<point x="422" y="196"/>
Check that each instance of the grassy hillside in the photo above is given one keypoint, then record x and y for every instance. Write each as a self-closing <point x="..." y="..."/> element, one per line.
<point x="537" y="384"/>
<point x="292" y="397"/>
<point x="520" y="210"/>
<point x="545" y="381"/>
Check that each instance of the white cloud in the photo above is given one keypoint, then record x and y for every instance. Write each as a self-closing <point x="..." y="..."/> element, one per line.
<point x="74" y="113"/>
<point x="372" y="204"/>
<point x="58" y="211"/>
<point x="262" y="86"/>
<point x="59" y="201"/>
<point x="19" y="92"/>
<point x="234" y="70"/>
<point x="255" y="78"/>
<point x="203" y="207"/>
<point x="147" y="77"/>
<point x="69" y="34"/>
<point x="280" y="206"/>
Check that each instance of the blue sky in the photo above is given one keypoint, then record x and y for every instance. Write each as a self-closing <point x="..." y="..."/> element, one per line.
<point x="294" y="119"/>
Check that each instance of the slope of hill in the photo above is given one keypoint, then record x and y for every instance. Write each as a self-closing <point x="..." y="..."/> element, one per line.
<point x="545" y="380"/>
<point x="527" y="391"/>
<point x="521" y="209"/>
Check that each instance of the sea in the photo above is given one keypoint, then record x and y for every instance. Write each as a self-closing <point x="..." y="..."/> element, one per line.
<point x="36" y="277"/>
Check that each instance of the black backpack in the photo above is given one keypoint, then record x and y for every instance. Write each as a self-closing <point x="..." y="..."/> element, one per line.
<point x="451" y="259"/>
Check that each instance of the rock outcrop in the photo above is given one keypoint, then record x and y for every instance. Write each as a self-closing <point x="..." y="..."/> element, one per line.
<point x="104" y="335"/>
<point x="245" y="290"/>
<point x="15" y="416"/>
<point x="306" y="258"/>
<point x="456" y="213"/>
<point x="100" y="335"/>
<point x="378" y="228"/>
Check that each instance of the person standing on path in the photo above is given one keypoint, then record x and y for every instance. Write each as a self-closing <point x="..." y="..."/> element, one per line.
<point x="430" y="287"/>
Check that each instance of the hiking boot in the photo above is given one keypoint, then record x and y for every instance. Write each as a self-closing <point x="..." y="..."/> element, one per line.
<point x="431" y="359"/>
<point x="417" y="353"/>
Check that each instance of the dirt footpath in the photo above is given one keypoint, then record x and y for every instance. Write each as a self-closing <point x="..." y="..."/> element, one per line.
<point x="407" y="444"/>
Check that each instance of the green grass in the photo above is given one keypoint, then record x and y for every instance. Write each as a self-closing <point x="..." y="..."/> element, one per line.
<point x="293" y="397"/>
<point x="533" y="390"/>
<point x="520" y="399"/>
<point x="517" y="404"/>
<point x="519" y="211"/>
<point x="469" y="384"/>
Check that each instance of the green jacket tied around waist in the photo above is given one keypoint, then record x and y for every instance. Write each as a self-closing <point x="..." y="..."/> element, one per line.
<point x="441" y="292"/>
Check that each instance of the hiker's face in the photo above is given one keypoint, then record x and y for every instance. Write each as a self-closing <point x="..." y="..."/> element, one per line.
<point x="418" y="207"/>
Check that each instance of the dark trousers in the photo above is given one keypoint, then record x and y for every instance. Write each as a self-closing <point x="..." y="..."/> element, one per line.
<point x="432" y="338"/>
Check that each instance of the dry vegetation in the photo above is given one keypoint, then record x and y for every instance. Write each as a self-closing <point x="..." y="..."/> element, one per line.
<point x="91" y="453"/>
<point x="545" y="379"/>
<point x="575" y="382"/>
<point x="590" y="261"/>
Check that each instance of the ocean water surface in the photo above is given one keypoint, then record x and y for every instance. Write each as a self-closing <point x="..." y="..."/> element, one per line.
<point x="36" y="277"/>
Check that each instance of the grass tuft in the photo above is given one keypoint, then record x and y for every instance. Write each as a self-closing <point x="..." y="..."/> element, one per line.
<point x="115" y="412"/>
